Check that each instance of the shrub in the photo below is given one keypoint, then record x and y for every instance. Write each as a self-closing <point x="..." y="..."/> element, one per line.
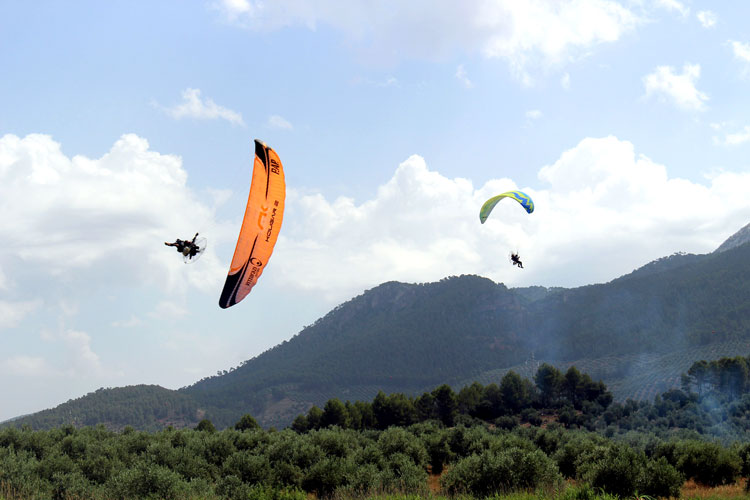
<point x="364" y="479"/>
<point x="249" y="468"/>
<point x="232" y="488"/>
<point x="660" y="479"/>
<point x="327" y="475"/>
<point x="531" y="416"/>
<point x="616" y="472"/>
<point x="708" y="463"/>
<point x="501" y="471"/>
<point x="438" y="450"/>
<point x="333" y="441"/>
<point x="147" y="480"/>
<point x="397" y="440"/>
<point x="506" y="422"/>
<point x="400" y="473"/>
<point x="72" y="485"/>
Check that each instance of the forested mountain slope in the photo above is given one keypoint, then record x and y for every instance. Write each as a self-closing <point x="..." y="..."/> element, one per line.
<point x="410" y="338"/>
<point x="407" y="338"/>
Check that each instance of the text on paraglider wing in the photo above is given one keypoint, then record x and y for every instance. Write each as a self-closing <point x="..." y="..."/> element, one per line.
<point x="275" y="167"/>
<point x="270" y="223"/>
<point x="251" y="277"/>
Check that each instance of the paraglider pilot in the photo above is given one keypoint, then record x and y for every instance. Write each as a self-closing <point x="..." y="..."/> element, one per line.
<point x="185" y="247"/>
<point x="516" y="260"/>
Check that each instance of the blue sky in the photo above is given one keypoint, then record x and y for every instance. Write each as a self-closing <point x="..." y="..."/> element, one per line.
<point x="127" y="124"/>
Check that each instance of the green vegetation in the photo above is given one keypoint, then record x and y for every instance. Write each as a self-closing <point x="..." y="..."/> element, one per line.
<point x="93" y="462"/>
<point x="513" y="440"/>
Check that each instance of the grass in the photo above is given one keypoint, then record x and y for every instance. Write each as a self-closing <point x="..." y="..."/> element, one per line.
<point x="690" y="491"/>
<point x="693" y="491"/>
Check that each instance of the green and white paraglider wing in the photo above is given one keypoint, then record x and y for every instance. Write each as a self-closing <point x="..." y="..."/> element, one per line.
<point x="525" y="200"/>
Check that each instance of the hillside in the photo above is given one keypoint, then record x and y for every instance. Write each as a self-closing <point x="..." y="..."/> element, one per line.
<point x="145" y="407"/>
<point x="410" y="338"/>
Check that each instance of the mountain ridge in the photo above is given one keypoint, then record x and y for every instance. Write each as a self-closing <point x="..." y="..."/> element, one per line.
<point x="400" y="337"/>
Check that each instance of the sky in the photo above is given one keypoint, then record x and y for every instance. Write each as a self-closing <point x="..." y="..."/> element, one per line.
<point x="127" y="124"/>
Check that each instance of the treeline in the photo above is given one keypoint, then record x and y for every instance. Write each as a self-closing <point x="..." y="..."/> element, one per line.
<point x="571" y="399"/>
<point x="714" y="401"/>
<point x="574" y="397"/>
<point x="726" y="376"/>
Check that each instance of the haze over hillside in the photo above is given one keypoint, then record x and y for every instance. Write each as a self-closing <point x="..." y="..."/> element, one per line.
<point x="637" y="333"/>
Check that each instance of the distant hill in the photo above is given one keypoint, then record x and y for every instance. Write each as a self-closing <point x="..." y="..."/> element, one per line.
<point x="145" y="407"/>
<point x="410" y="338"/>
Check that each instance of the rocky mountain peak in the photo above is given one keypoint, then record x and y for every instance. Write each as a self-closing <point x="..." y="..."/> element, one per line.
<point x="739" y="238"/>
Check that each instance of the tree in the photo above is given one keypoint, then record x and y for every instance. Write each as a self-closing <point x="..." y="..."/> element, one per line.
<point x="573" y="386"/>
<point x="205" y="425"/>
<point x="395" y="409"/>
<point x="469" y="398"/>
<point x="314" y="416"/>
<point x="247" y="422"/>
<point x="425" y="406"/>
<point x="446" y="404"/>
<point x="515" y="392"/>
<point x="334" y="413"/>
<point x="491" y="405"/>
<point x="300" y="424"/>
<point x="549" y="381"/>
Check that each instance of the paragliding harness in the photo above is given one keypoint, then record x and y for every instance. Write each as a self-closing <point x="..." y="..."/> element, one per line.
<point x="188" y="249"/>
<point x="516" y="260"/>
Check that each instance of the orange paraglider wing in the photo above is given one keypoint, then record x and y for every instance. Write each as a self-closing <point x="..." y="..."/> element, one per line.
<point x="260" y="226"/>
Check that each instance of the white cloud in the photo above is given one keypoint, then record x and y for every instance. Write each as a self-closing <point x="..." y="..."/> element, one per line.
<point x="193" y="106"/>
<point x="278" y="122"/>
<point x="12" y="313"/>
<point x="741" y="50"/>
<point x="527" y="35"/>
<point x="565" y="81"/>
<point x="131" y="322"/>
<point x="736" y="138"/>
<point x="675" y="6"/>
<point x="707" y="18"/>
<point x="23" y="366"/>
<point x="82" y="359"/>
<point x="169" y="309"/>
<point x="678" y="88"/>
<point x="462" y="77"/>
<point x="533" y="114"/>
<point x="603" y="210"/>
<point x="742" y="53"/>
<point x="234" y="9"/>
<point x="79" y="361"/>
<point x="78" y="220"/>
<point x="739" y="137"/>
<point x="389" y="81"/>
